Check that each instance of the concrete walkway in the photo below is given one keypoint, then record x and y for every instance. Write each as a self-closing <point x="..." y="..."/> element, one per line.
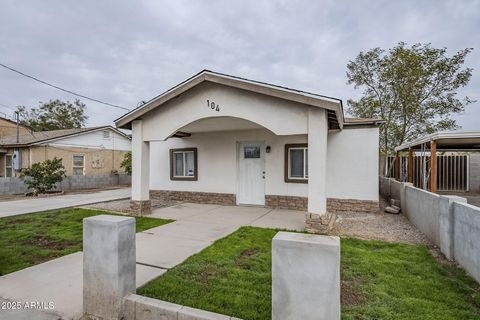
<point x="158" y="249"/>
<point x="12" y="208"/>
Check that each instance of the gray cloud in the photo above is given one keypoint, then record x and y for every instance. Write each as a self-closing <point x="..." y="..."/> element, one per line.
<point x="127" y="51"/>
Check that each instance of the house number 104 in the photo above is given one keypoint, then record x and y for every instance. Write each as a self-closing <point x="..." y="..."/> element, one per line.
<point x="212" y="105"/>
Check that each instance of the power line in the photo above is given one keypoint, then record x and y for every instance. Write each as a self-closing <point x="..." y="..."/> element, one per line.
<point x="8" y="107"/>
<point x="62" y="89"/>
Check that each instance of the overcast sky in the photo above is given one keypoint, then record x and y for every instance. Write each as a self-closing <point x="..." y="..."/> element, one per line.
<point x="124" y="52"/>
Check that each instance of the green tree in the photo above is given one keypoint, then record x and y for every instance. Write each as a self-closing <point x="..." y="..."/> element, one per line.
<point x="42" y="176"/>
<point x="413" y="88"/>
<point x="54" y="115"/>
<point x="127" y="163"/>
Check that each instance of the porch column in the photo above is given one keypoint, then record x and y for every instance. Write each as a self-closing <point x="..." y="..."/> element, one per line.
<point x="433" y="166"/>
<point x="140" y="203"/>
<point x="317" y="169"/>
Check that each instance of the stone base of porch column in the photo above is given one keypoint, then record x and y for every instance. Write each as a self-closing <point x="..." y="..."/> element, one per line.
<point x="140" y="207"/>
<point x="320" y="223"/>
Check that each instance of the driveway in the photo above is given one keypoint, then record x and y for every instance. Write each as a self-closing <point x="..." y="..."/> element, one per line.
<point x="158" y="249"/>
<point x="12" y="208"/>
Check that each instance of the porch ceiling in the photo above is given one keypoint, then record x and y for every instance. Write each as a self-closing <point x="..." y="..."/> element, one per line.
<point x="220" y="124"/>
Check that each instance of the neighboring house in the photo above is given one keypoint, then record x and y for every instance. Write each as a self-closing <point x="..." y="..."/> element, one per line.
<point x="85" y="151"/>
<point x="221" y="139"/>
<point x="8" y="128"/>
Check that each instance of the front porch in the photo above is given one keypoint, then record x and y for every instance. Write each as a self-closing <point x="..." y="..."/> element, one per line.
<point x="232" y="161"/>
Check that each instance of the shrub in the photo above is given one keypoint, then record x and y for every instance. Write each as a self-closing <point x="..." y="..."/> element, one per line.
<point x="127" y="163"/>
<point x="42" y="176"/>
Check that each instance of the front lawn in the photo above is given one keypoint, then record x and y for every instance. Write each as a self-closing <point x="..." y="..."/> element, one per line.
<point x="379" y="280"/>
<point x="34" y="238"/>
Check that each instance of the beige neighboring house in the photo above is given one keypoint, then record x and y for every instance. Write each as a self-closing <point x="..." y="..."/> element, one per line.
<point x="85" y="151"/>
<point x="8" y="128"/>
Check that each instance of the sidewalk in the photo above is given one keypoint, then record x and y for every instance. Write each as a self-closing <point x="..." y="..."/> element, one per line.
<point x="12" y="208"/>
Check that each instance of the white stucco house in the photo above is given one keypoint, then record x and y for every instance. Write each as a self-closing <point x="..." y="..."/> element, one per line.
<point x="221" y="139"/>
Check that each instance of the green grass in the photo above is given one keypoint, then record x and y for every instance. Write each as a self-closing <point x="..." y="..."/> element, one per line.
<point x="34" y="238"/>
<point x="379" y="280"/>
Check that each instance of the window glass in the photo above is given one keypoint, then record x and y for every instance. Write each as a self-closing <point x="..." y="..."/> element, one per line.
<point x="8" y="160"/>
<point x="252" y="152"/>
<point x="296" y="163"/>
<point x="78" y="161"/>
<point x="178" y="163"/>
<point x="306" y="163"/>
<point x="189" y="164"/>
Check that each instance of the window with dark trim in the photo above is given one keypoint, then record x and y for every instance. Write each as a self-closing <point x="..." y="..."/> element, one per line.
<point x="296" y="163"/>
<point x="183" y="164"/>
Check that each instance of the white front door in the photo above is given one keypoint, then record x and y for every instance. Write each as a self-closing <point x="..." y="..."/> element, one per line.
<point x="251" y="173"/>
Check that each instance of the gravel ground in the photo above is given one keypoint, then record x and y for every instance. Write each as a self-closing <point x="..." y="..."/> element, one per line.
<point x="124" y="205"/>
<point x="380" y="226"/>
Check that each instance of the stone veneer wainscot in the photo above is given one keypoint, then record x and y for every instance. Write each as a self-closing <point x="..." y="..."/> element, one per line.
<point x="271" y="201"/>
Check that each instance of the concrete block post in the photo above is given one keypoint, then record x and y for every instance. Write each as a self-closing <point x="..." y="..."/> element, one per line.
<point x="305" y="277"/>
<point x="447" y="225"/>
<point x="108" y="265"/>
<point x="403" y="196"/>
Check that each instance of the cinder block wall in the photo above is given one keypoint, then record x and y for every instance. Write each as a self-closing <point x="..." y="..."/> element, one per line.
<point x="457" y="225"/>
<point x="10" y="186"/>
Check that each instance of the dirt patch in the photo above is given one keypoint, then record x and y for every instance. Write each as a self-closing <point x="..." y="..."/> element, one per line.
<point x="209" y="272"/>
<point x="250" y="252"/>
<point x="351" y="294"/>
<point x="243" y="259"/>
<point x="378" y="226"/>
<point x="48" y="243"/>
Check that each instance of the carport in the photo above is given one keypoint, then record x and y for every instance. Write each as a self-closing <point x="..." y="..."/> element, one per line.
<point x="439" y="159"/>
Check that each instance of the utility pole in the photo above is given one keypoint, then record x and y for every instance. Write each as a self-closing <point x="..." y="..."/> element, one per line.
<point x="17" y="117"/>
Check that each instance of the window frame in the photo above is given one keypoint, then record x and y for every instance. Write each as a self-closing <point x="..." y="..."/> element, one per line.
<point x="195" y="164"/>
<point x="9" y="167"/>
<point x="288" y="178"/>
<point x="75" y="167"/>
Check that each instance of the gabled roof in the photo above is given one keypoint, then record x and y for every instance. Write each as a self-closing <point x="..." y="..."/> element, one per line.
<point x="333" y="105"/>
<point x="40" y="137"/>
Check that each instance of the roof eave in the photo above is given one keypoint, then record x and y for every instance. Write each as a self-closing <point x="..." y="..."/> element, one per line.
<point x="437" y="136"/>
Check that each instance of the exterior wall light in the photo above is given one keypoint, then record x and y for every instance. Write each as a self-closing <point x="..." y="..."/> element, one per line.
<point x="267" y="149"/>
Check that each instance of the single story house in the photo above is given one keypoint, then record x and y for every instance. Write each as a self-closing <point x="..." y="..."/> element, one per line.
<point x="84" y="151"/>
<point x="221" y="139"/>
